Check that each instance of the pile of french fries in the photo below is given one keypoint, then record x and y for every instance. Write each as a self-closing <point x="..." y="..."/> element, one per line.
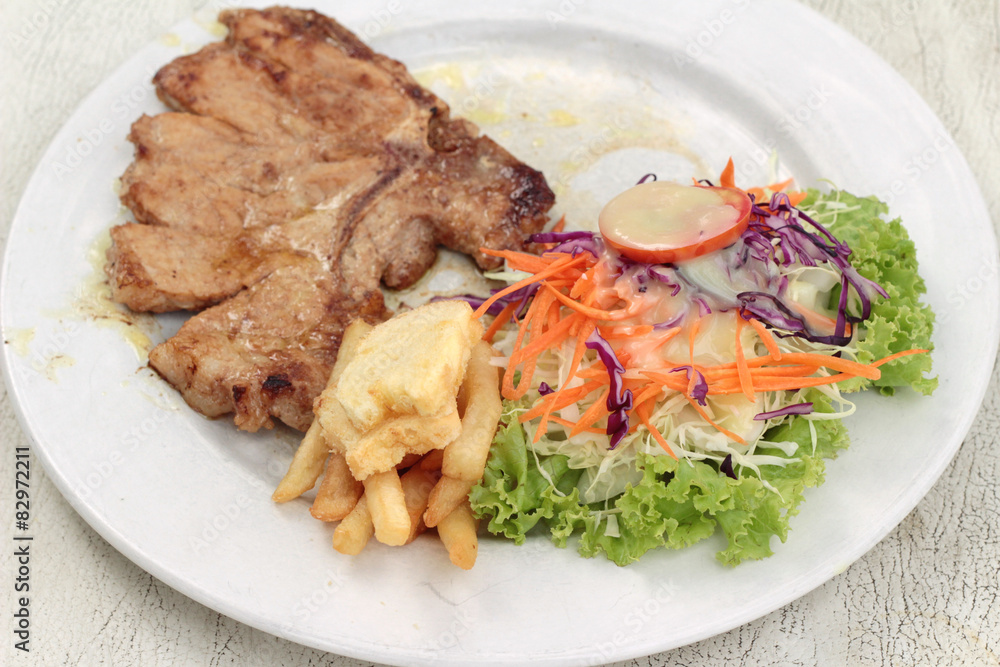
<point x="396" y="466"/>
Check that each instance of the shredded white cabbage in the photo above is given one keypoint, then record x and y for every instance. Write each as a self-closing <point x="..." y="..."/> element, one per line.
<point x="606" y="471"/>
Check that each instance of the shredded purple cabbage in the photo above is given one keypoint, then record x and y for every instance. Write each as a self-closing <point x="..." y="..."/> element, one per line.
<point x="727" y="467"/>
<point x="572" y="243"/>
<point x="544" y="389"/>
<point x="619" y="398"/>
<point x="673" y="321"/>
<point x="521" y="297"/>
<point x="665" y="275"/>
<point x="797" y="409"/>
<point x="777" y="235"/>
<point x="769" y="309"/>
<point x="558" y="237"/>
<point x="700" y="390"/>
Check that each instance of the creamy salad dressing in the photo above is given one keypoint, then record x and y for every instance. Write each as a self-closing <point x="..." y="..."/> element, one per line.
<point x="661" y="214"/>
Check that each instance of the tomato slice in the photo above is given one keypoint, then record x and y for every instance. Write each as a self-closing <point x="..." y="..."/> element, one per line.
<point x="662" y="222"/>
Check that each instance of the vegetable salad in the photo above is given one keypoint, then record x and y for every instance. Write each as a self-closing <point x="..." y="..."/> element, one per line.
<point x="649" y="404"/>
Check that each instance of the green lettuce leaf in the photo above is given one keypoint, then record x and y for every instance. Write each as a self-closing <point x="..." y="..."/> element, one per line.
<point x="676" y="504"/>
<point x="515" y="492"/>
<point x="882" y="251"/>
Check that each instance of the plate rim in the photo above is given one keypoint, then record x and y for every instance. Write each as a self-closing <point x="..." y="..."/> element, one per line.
<point x="121" y="542"/>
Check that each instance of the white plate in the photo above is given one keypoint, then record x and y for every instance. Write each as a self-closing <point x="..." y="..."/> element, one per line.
<point x="596" y="96"/>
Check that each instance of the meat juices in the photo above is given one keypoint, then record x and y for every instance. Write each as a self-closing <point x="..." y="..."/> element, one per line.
<point x="299" y="170"/>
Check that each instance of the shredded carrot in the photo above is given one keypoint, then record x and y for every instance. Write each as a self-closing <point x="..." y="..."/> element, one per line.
<point x="718" y="374"/>
<point x="823" y="361"/>
<point x="555" y="335"/>
<point x="796" y="198"/>
<point x="767" y="338"/>
<point x="642" y="410"/>
<point x="592" y="313"/>
<point x="649" y="392"/>
<point x="583" y="286"/>
<point x="746" y="381"/>
<point x="726" y="179"/>
<point x="561" y="400"/>
<point x="552" y="320"/>
<point x="568" y="424"/>
<point x="499" y="321"/>
<point x="552" y="269"/>
<point x="892" y="357"/>
<point x="507" y="383"/>
<point x="614" y="333"/>
<point x="597" y="411"/>
<point x="692" y="334"/>
<point x="519" y="261"/>
<point x="704" y="415"/>
<point x="529" y="324"/>
<point x="554" y="398"/>
<point x="536" y="325"/>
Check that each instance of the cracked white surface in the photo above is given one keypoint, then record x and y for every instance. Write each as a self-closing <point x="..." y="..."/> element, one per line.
<point x="927" y="594"/>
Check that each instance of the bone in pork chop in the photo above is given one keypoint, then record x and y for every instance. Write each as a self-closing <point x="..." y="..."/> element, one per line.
<point x="297" y="172"/>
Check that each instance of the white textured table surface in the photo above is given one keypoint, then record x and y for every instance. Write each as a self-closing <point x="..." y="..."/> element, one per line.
<point x="927" y="594"/>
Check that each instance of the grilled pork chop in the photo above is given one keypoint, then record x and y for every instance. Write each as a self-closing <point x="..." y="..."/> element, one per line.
<point x="298" y="172"/>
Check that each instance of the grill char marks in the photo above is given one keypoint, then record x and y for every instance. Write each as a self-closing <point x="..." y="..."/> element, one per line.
<point x="298" y="171"/>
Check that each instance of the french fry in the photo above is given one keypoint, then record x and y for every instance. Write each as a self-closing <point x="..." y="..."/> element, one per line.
<point x="447" y="494"/>
<point x="458" y="533"/>
<point x="353" y="533"/>
<point x="387" y="505"/>
<point x="353" y="335"/>
<point x="338" y="492"/>
<point x="307" y="464"/>
<point x="432" y="460"/>
<point x="465" y="457"/>
<point x="417" y="484"/>
<point x="413" y="421"/>
<point x="305" y="468"/>
<point x="409" y="461"/>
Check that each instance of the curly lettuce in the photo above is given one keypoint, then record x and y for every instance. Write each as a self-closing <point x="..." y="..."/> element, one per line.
<point x="676" y="504"/>
<point x="882" y="251"/>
